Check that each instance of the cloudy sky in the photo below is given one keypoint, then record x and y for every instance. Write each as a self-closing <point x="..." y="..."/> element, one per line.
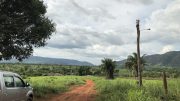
<point x="89" y="30"/>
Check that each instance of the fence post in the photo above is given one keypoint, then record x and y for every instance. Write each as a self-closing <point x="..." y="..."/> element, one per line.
<point x="165" y="84"/>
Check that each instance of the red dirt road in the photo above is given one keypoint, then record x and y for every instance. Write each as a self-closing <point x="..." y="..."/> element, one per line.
<point x="81" y="93"/>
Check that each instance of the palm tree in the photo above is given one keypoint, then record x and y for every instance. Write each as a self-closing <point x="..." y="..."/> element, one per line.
<point x="108" y="66"/>
<point x="131" y="63"/>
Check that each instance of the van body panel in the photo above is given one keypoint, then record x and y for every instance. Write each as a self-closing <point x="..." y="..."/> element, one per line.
<point x="11" y="94"/>
<point x="1" y="90"/>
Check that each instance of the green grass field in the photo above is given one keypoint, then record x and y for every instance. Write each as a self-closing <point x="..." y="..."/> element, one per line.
<point x="53" y="84"/>
<point x="119" y="89"/>
<point x="127" y="90"/>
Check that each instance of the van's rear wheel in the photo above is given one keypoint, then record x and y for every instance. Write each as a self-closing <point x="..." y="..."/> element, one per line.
<point x="30" y="99"/>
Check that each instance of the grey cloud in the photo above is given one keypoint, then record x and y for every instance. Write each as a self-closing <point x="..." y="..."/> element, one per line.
<point x="114" y="53"/>
<point x="95" y="13"/>
<point x="91" y="55"/>
<point x="146" y="2"/>
<point x="79" y="7"/>
<point x="95" y="55"/>
<point x="68" y="45"/>
<point x="79" y="37"/>
<point x="165" y="25"/>
<point x="170" y="40"/>
<point x="103" y="28"/>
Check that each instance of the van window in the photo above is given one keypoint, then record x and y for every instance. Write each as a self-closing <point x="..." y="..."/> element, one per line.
<point x="19" y="82"/>
<point x="9" y="81"/>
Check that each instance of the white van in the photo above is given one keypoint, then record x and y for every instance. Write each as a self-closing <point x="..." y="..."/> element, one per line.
<point x="13" y="88"/>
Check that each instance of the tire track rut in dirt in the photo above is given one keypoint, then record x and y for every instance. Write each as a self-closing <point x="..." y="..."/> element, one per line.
<point x="81" y="93"/>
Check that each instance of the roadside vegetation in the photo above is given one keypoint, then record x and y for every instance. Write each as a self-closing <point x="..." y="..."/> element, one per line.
<point x="55" y="79"/>
<point x="30" y="70"/>
<point x="121" y="89"/>
<point x="44" y="85"/>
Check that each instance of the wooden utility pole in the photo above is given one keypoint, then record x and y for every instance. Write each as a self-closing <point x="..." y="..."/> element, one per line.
<point x="138" y="54"/>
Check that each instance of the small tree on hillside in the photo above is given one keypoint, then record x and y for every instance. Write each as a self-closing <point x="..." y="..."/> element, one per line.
<point x="108" y="66"/>
<point x="84" y="70"/>
<point x="131" y="63"/>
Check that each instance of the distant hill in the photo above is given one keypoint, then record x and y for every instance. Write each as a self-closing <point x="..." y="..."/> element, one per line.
<point x="171" y="58"/>
<point x="45" y="60"/>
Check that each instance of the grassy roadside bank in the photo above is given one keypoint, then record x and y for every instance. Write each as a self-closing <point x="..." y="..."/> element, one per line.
<point x="126" y="90"/>
<point x="45" y="85"/>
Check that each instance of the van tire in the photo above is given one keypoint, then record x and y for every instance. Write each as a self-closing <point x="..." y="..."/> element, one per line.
<point x="30" y="99"/>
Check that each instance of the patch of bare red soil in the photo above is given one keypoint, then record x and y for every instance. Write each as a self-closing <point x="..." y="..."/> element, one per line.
<point x="81" y="93"/>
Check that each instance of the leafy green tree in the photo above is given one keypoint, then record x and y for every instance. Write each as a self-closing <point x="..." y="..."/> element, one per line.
<point x="131" y="63"/>
<point x="108" y="66"/>
<point x="23" y="26"/>
<point x="84" y="70"/>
